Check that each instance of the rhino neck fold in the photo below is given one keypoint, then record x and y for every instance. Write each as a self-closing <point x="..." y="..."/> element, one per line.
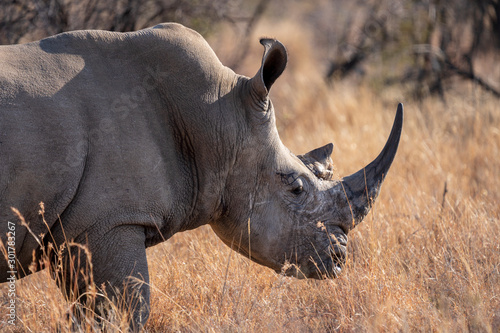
<point x="207" y="134"/>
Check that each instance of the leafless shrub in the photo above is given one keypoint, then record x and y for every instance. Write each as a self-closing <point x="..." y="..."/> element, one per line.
<point x="436" y="39"/>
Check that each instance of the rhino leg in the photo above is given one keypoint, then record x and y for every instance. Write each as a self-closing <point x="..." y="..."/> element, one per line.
<point x="117" y="268"/>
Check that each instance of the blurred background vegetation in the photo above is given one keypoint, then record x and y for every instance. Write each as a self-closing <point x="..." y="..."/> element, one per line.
<point x="425" y="44"/>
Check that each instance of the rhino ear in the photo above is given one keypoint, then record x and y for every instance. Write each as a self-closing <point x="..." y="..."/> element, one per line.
<point x="319" y="161"/>
<point x="273" y="64"/>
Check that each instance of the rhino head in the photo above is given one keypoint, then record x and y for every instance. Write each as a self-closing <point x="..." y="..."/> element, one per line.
<point x="285" y="211"/>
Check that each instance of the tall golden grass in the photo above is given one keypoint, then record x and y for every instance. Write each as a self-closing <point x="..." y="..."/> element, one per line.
<point x="426" y="258"/>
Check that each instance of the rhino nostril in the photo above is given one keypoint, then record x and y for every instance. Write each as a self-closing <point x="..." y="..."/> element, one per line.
<point x="337" y="254"/>
<point x="338" y="240"/>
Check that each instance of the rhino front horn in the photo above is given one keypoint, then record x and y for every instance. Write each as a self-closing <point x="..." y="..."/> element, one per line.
<point x="362" y="187"/>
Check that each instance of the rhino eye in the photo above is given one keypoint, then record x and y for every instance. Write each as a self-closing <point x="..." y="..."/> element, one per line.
<point x="297" y="190"/>
<point x="298" y="187"/>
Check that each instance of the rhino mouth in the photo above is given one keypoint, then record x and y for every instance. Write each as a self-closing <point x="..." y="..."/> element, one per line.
<point x="328" y="271"/>
<point x="329" y="267"/>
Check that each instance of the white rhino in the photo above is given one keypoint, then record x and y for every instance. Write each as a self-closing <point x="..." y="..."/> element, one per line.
<point x="129" y="138"/>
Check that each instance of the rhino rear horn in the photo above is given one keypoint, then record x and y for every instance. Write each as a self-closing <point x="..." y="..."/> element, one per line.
<point x="363" y="187"/>
<point x="319" y="161"/>
<point x="321" y="154"/>
<point x="273" y="64"/>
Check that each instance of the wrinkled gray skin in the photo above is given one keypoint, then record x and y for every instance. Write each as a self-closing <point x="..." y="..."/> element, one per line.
<point x="129" y="138"/>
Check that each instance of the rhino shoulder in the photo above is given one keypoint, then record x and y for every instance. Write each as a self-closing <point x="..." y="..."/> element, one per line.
<point x="189" y="42"/>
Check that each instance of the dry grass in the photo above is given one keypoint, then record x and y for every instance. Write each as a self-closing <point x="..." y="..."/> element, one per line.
<point x="421" y="261"/>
